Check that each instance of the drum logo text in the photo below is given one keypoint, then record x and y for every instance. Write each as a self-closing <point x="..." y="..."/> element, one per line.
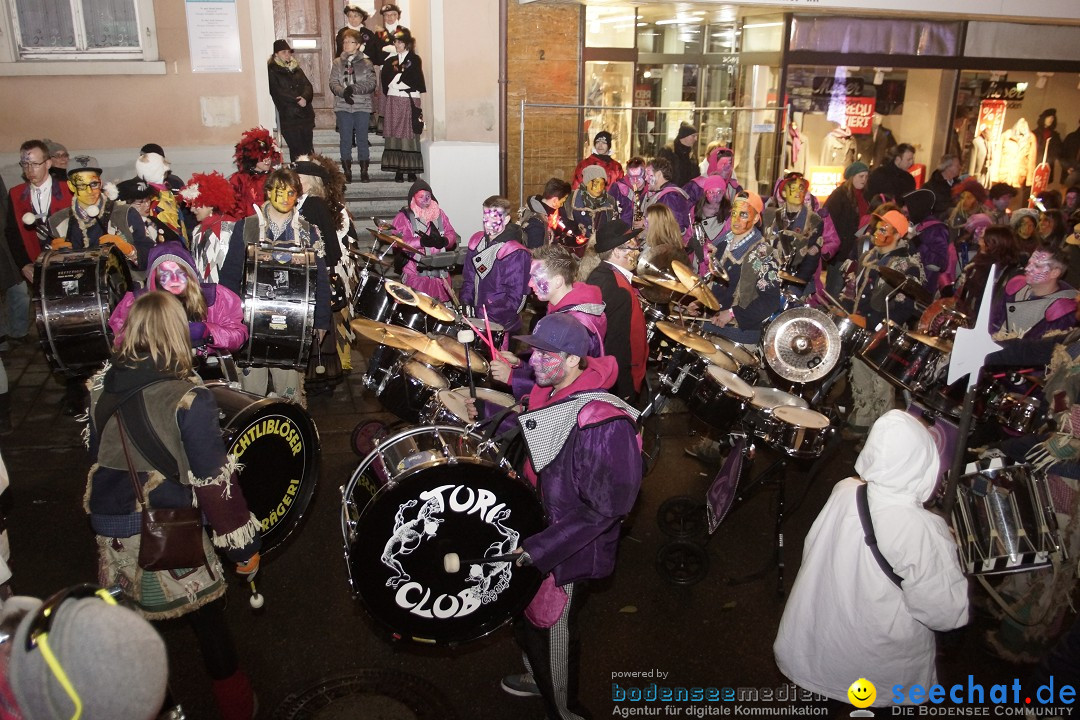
<point x="283" y="507"/>
<point x="282" y="427"/>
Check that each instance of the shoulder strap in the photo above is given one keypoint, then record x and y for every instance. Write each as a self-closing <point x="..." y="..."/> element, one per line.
<point x="148" y="444"/>
<point x="871" y="538"/>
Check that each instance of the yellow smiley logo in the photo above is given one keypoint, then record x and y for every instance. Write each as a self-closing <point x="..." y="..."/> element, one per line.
<point x="862" y="693"/>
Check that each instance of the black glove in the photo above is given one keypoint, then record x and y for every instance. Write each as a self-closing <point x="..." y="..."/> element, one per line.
<point x="348" y="94"/>
<point x="433" y="240"/>
<point x="399" y="261"/>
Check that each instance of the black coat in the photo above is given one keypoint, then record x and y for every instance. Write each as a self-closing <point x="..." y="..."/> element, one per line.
<point x="617" y="307"/>
<point x="942" y="194"/>
<point x="890" y="180"/>
<point x="285" y="86"/>
<point x="412" y="73"/>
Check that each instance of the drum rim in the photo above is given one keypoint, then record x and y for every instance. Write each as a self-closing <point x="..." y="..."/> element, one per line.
<point x="412" y="360"/>
<point x="769" y="391"/>
<point x="780" y="410"/>
<point x="731" y="383"/>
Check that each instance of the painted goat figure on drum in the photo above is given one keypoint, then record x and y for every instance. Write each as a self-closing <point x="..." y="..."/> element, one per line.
<point x="409" y="534"/>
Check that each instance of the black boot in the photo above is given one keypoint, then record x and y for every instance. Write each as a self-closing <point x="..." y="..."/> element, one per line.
<point x="5" y="414"/>
<point x="399" y="177"/>
<point x="412" y="177"/>
<point x="364" y="172"/>
<point x="346" y="167"/>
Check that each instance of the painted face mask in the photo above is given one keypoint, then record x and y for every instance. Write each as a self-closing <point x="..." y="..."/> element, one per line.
<point x="742" y="217"/>
<point x="495" y="221"/>
<point x="540" y="281"/>
<point x="650" y="177"/>
<point x="171" y="277"/>
<point x="423" y="199"/>
<point x="636" y="178"/>
<point x="596" y="187"/>
<point x="723" y="167"/>
<point x="282" y="197"/>
<point x="549" y="369"/>
<point x="884" y="234"/>
<point x="795" y="192"/>
<point x="87" y="188"/>
<point x="713" y="196"/>
<point x="1038" y="268"/>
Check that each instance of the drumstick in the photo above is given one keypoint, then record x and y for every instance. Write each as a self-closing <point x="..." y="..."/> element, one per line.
<point x="453" y="296"/>
<point x="465" y="337"/>
<point x="452" y="563"/>
<point x="487" y="327"/>
<point x="491" y="345"/>
<point x="256" y="600"/>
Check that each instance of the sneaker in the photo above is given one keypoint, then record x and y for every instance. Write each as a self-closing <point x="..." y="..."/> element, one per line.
<point x="521" y="685"/>
<point x="705" y="450"/>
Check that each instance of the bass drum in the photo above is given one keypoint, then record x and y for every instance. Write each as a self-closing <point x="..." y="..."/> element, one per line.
<point x="278" y="446"/>
<point x="279" y="306"/>
<point x="440" y="490"/>
<point x="77" y="290"/>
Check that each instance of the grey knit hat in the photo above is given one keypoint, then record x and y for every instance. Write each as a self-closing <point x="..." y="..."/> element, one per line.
<point x="593" y="172"/>
<point x="114" y="659"/>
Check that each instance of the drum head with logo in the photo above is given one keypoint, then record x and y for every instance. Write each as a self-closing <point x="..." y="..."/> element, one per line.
<point x="445" y="505"/>
<point x="277" y="444"/>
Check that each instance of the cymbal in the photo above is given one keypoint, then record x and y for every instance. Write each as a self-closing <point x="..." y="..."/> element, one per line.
<point x="686" y="338"/>
<point x="434" y="308"/>
<point x="941" y="344"/>
<point x="641" y="280"/>
<point x="454" y="354"/>
<point x="906" y="284"/>
<point x="695" y="285"/>
<point x="788" y="277"/>
<point x="381" y="333"/>
<point x="402" y="293"/>
<point x="393" y="240"/>
<point x="669" y="284"/>
<point x="369" y="258"/>
<point x="658" y="261"/>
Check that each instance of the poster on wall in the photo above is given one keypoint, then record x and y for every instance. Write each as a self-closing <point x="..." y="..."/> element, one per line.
<point x="213" y="36"/>
<point x="859" y="112"/>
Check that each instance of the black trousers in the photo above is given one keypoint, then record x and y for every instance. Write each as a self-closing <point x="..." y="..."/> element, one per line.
<point x="554" y="656"/>
<point x="300" y="139"/>
<point x="215" y="641"/>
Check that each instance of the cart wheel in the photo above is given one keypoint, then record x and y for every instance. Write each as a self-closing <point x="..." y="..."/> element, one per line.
<point x="682" y="516"/>
<point x="364" y="436"/>
<point x="682" y="562"/>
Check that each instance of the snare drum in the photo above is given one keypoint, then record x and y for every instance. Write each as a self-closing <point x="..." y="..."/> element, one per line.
<point x="800" y="432"/>
<point x="449" y="407"/>
<point x="498" y="334"/>
<point x="76" y="293"/>
<point x="760" y="418"/>
<point x="1021" y="414"/>
<point x="1004" y="521"/>
<point x="408" y="387"/>
<point x="279" y="306"/>
<point x="371" y="299"/>
<point x="913" y="361"/>
<point x="441" y="490"/>
<point x="720" y="398"/>
<point x="277" y="445"/>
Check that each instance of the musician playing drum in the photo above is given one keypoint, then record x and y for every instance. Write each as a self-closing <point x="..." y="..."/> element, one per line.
<point x="495" y="279"/>
<point x="424" y="226"/>
<point x="793" y="228"/>
<point x="1037" y="303"/>
<point x="215" y="319"/>
<point x="585" y="455"/>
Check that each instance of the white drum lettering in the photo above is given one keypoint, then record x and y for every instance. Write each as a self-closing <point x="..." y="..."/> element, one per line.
<point x="455" y="503"/>
<point x="445" y="606"/>
<point x="402" y="596"/>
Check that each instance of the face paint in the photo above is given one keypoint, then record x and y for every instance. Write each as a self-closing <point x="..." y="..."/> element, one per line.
<point x="795" y="192"/>
<point x="549" y="369"/>
<point x="650" y="177"/>
<point x="742" y="217"/>
<point x="884" y="234"/>
<point x="713" y="196"/>
<point x="35" y="166"/>
<point x="1038" y="268"/>
<point x="282" y="197"/>
<point x="540" y="281"/>
<point x="495" y="221"/>
<point x="423" y="199"/>
<point x="723" y="167"/>
<point x="171" y="277"/>
<point x="87" y="188"/>
<point x="596" y="187"/>
<point x="636" y="177"/>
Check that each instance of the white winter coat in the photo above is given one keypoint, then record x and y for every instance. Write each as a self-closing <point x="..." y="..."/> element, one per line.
<point x="845" y="619"/>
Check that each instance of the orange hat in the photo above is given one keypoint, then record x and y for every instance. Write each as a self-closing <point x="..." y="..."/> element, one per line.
<point x="753" y="199"/>
<point x="897" y="220"/>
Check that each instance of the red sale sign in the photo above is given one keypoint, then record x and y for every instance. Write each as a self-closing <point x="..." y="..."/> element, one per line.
<point x="859" y="112"/>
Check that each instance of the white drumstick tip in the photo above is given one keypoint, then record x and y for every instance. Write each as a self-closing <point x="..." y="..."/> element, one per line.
<point x="451" y="563"/>
<point x="466" y="336"/>
<point x="29" y="218"/>
<point x="256" y="601"/>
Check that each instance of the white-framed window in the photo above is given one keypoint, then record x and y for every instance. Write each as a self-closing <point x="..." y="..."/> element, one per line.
<point x="81" y="37"/>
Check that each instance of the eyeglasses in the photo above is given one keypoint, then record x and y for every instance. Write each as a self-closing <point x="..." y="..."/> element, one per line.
<point x="95" y="185"/>
<point x="26" y="164"/>
<point x="41" y="624"/>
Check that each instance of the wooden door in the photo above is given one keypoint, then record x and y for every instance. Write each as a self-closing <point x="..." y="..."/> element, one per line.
<point x="310" y="26"/>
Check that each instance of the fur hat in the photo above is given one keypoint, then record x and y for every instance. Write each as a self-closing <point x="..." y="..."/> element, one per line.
<point x="209" y="190"/>
<point x="1019" y="215"/>
<point x="152" y="167"/>
<point x="602" y="135"/>
<point x="614" y="233"/>
<point x="114" y="659"/>
<point x="592" y="172"/>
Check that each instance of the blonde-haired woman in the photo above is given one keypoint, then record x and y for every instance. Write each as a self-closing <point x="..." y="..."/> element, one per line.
<point x="171" y="444"/>
<point x="663" y="238"/>
<point x="214" y="313"/>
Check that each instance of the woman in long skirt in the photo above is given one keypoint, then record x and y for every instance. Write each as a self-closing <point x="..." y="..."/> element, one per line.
<point x="402" y="84"/>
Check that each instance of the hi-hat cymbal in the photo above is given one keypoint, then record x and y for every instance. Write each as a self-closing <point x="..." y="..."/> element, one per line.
<point x="434" y="308"/>
<point x="788" y="277"/>
<point x="941" y="344"/>
<point x="370" y="259"/>
<point x="906" y="284"/>
<point x="381" y="333"/>
<point x="695" y="285"/>
<point x="393" y="240"/>
<point x="686" y="338"/>
<point x="402" y="293"/>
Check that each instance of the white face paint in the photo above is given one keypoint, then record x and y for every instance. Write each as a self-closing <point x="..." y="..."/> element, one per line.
<point x="495" y="221"/>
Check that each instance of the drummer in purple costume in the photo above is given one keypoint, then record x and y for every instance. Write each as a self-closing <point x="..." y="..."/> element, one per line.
<point x="585" y="455"/>
<point x="1038" y="303"/>
<point x="496" y="273"/>
<point x="424" y="226"/>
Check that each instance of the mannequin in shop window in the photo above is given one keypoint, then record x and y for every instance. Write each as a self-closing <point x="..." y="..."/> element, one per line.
<point x="1015" y="161"/>
<point x="982" y="151"/>
<point x="838" y="147"/>
<point x="873" y="148"/>
<point x="1048" y="140"/>
<point x="795" y="149"/>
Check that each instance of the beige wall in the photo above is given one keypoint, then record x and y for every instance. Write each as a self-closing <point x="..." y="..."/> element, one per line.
<point x="471" y="71"/>
<point x="126" y="111"/>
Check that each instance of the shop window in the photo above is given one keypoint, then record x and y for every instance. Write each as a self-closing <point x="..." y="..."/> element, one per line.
<point x="610" y="27"/>
<point x="609" y="89"/>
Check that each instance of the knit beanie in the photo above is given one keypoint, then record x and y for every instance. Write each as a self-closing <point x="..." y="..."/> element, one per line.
<point x="686" y="130"/>
<point x="592" y="172"/>
<point x="115" y="661"/>
<point x="854" y="169"/>
<point x="602" y="135"/>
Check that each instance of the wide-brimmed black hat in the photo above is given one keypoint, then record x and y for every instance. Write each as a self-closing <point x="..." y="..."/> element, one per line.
<point x="614" y="233"/>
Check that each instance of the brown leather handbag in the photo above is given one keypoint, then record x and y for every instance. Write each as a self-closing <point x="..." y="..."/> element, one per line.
<point x="171" y="538"/>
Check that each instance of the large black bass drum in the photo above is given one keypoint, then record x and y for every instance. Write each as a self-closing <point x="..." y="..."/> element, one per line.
<point x="277" y="444"/>
<point x="77" y="290"/>
<point x="438" y="490"/>
<point x="279" y="306"/>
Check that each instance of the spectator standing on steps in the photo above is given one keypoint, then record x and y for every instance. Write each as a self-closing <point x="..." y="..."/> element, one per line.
<point x="292" y="93"/>
<point x="402" y="84"/>
<point x="352" y="81"/>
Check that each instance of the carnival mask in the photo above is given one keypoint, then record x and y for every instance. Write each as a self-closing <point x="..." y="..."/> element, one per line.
<point x="794" y="191"/>
<point x="1039" y="267"/>
<point x="549" y="369"/>
<point x="87" y="187"/>
<point x="596" y="187"/>
<point x="495" y="221"/>
<point x="171" y="277"/>
<point x="282" y="197"/>
<point x="636" y="178"/>
<point x="743" y="217"/>
<point x="540" y="280"/>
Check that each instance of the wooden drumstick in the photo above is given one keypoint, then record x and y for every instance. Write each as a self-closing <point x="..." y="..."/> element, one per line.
<point x="465" y="337"/>
<point x="452" y="563"/>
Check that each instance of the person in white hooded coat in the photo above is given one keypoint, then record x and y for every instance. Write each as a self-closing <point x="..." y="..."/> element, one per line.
<point x="845" y="618"/>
